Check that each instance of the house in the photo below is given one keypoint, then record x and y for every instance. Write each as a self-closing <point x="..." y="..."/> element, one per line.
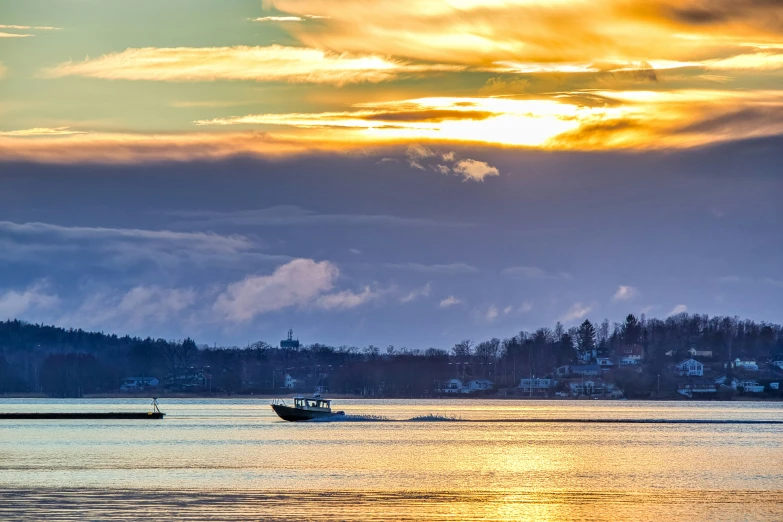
<point x="605" y="363"/>
<point x="590" y="387"/>
<point x="290" y="381"/>
<point x="478" y="385"/>
<point x="138" y="383"/>
<point x="585" y="369"/>
<point x="774" y="386"/>
<point x="700" y="353"/>
<point x="697" y="388"/>
<point x="188" y="379"/>
<point x="630" y="361"/>
<point x="751" y="386"/>
<point x="536" y="385"/>
<point x="690" y="367"/>
<point x="452" y="386"/>
<point x="779" y="364"/>
<point x="633" y="351"/>
<point x="748" y="365"/>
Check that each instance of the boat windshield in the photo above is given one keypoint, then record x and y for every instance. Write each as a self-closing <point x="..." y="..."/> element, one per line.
<point x="311" y="404"/>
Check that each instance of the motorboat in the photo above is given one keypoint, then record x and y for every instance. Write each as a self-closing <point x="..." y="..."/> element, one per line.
<point x="305" y="408"/>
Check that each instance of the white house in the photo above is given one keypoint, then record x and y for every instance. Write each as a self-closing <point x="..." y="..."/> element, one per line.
<point x="752" y="386"/>
<point x="605" y="363"/>
<point x="750" y="366"/>
<point x="478" y="385"/>
<point x="452" y="386"/>
<point x="290" y="382"/>
<point x="689" y="389"/>
<point x="690" y="367"/>
<point x="630" y="361"/>
<point x="536" y="385"/>
<point x="700" y="353"/>
<point x="774" y="385"/>
<point x="138" y="383"/>
<point x="634" y="351"/>
<point x="590" y="387"/>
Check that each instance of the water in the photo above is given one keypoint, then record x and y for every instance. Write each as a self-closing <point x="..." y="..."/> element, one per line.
<point x="232" y="459"/>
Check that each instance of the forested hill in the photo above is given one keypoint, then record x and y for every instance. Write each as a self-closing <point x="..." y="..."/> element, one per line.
<point x="55" y="361"/>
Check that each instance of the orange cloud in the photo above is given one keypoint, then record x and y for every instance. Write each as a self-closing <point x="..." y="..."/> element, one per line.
<point x="539" y="36"/>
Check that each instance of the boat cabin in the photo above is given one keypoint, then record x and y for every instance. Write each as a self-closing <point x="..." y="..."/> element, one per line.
<point x="312" y="403"/>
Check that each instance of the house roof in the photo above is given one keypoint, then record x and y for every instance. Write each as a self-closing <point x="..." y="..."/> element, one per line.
<point x="687" y="361"/>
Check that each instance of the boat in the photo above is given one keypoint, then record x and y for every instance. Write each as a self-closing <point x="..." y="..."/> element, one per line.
<point x="305" y="408"/>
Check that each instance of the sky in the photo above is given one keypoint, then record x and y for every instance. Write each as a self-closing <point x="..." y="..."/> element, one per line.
<point x="388" y="172"/>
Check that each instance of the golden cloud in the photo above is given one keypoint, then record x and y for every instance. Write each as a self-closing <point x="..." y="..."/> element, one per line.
<point x="596" y="120"/>
<point x="540" y="36"/>
<point x="271" y="63"/>
<point x="579" y="120"/>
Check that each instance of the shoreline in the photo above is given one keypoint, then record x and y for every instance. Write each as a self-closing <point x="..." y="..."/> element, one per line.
<point x="338" y="396"/>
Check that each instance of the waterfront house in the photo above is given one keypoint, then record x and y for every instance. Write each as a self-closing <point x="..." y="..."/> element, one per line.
<point x="690" y="367"/>
<point x="452" y="386"/>
<point x="774" y="386"/>
<point x="478" y="385"/>
<point x="751" y="386"/>
<point x="290" y="381"/>
<point x="138" y="383"/>
<point x="697" y="388"/>
<point x="536" y="385"/>
<point x="590" y="387"/>
<point x="779" y="364"/>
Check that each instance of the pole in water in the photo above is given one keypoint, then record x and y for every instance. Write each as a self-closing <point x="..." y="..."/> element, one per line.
<point x="155" y="405"/>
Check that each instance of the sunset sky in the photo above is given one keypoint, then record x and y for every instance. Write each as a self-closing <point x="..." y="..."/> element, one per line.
<point x="388" y="171"/>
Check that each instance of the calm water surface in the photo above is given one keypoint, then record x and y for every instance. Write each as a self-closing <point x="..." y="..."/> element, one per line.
<point x="234" y="459"/>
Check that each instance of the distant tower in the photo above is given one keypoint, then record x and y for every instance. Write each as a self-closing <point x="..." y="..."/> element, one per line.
<point x="290" y="342"/>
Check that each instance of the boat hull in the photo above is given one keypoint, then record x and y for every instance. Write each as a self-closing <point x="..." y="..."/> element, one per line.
<point x="297" y="414"/>
<point x="81" y="415"/>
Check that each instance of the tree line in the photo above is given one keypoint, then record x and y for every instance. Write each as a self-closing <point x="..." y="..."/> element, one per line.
<point x="62" y="362"/>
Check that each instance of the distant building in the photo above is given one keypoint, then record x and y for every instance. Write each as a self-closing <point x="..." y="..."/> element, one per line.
<point x="452" y="386"/>
<point x="697" y="388"/>
<point x="290" y="342"/>
<point x="536" y="385"/>
<point x="138" y="383"/>
<point x="699" y="353"/>
<point x="631" y="352"/>
<point x="479" y="385"/>
<point x="579" y="369"/>
<point x="751" y="386"/>
<point x="290" y="382"/>
<point x="605" y="363"/>
<point x="690" y="367"/>
<point x="748" y="365"/>
<point x="779" y="364"/>
<point x="189" y="379"/>
<point x="590" y="387"/>
<point x="774" y="386"/>
<point x="458" y="386"/>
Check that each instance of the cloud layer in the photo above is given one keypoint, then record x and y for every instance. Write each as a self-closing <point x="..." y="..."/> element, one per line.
<point x="271" y="63"/>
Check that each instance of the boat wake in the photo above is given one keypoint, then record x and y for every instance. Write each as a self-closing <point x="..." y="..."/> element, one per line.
<point x="351" y="418"/>
<point x="434" y="418"/>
